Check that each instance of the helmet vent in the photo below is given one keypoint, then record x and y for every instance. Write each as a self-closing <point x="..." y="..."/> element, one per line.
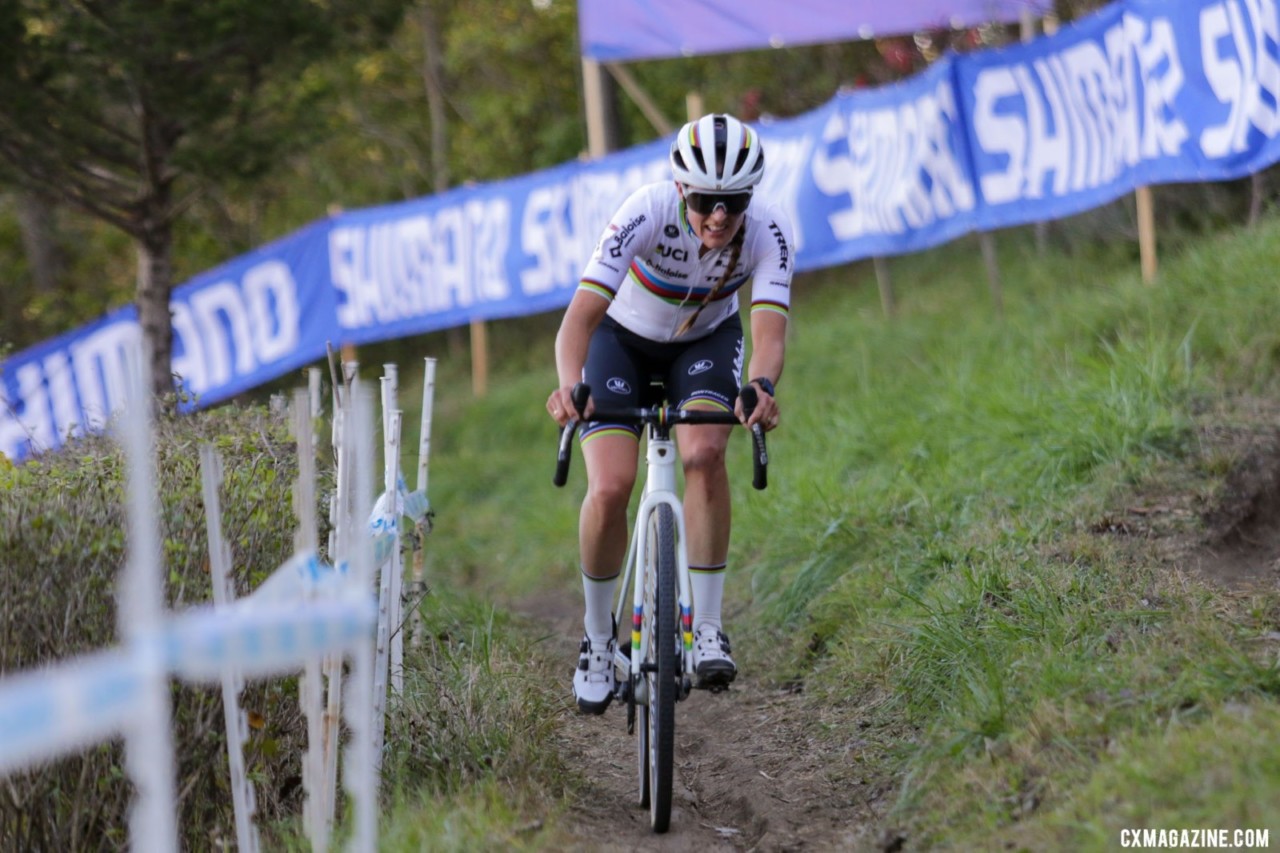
<point x="717" y="153"/>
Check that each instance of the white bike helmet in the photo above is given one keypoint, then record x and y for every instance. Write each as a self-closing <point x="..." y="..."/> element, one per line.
<point x="717" y="153"/>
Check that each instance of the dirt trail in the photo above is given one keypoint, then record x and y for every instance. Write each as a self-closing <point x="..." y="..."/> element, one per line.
<point x="748" y="774"/>
<point x="1230" y="539"/>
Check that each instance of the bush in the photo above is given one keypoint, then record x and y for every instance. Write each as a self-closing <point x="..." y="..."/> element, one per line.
<point x="63" y="532"/>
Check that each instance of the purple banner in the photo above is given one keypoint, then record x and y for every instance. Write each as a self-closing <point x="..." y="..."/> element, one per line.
<point x="624" y="30"/>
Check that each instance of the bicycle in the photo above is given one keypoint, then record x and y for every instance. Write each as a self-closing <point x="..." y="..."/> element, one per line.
<point x="662" y="604"/>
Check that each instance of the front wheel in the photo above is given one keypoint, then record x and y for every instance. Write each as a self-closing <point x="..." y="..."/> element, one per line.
<point x="661" y="667"/>
<point x="642" y="754"/>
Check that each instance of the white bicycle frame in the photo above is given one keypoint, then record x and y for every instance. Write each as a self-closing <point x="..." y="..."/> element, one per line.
<point x="659" y="488"/>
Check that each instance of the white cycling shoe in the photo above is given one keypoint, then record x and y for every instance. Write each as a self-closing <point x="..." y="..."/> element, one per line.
<point x="711" y="662"/>
<point x="593" y="680"/>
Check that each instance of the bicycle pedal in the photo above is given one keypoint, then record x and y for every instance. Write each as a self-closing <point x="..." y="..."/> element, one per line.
<point x="717" y="687"/>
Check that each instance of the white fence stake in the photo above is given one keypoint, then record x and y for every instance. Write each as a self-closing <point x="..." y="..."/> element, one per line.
<point x="148" y="736"/>
<point x="418" y="587"/>
<point x="424" y="436"/>
<point x="314" y="379"/>
<point x="396" y="566"/>
<point x="243" y="798"/>
<point x="343" y="522"/>
<point x="306" y="405"/>
<point x="304" y="611"/>
<point x="386" y="525"/>
<point x="361" y="770"/>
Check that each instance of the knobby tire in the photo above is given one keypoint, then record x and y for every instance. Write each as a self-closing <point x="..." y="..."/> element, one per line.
<point x="664" y="648"/>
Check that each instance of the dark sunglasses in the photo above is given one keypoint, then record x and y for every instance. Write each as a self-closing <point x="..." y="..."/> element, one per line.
<point x="704" y="204"/>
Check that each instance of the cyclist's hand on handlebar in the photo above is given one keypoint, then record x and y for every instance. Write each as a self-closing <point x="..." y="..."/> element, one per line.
<point x="765" y="412"/>
<point x="560" y="405"/>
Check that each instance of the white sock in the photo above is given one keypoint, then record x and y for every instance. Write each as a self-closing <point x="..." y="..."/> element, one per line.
<point x="708" y="594"/>
<point x="598" y="619"/>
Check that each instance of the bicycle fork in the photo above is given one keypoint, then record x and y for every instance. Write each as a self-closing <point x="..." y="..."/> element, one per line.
<point x="659" y="488"/>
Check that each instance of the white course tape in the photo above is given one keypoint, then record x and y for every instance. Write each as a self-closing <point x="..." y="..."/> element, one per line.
<point x="259" y="642"/>
<point x="48" y="712"/>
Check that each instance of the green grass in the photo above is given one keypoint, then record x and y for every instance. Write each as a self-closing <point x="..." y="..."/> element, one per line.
<point x="923" y="558"/>
<point x="470" y="761"/>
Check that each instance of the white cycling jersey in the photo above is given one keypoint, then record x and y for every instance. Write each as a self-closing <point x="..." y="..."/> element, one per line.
<point x="647" y="265"/>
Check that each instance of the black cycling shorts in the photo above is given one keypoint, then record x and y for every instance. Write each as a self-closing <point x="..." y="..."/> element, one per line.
<point x="622" y="365"/>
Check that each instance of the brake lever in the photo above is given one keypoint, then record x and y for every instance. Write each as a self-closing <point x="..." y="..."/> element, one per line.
<point x="760" y="458"/>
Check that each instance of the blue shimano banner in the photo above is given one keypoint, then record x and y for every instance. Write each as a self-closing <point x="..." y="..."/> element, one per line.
<point x="876" y="172"/>
<point x="1141" y="92"/>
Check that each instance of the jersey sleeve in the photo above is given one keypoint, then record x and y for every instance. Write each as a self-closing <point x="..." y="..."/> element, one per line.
<point x="621" y="241"/>
<point x="771" y="281"/>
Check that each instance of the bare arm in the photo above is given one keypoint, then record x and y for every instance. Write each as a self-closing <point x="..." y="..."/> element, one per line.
<point x="768" y="345"/>
<point x="768" y="349"/>
<point x="581" y="318"/>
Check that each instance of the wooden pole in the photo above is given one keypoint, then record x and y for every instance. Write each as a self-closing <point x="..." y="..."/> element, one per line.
<point x="1257" y="189"/>
<point x="1146" y="233"/>
<point x="885" y="285"/>
<point x="1027" y="32"/>
<point x="637" y="93"/>
<point x="479" y="358"/>
<point x="992" y="263"/>
<point x="593" y="94"/>
<point x="988" y="242"/>
<point x="693" y="106"/>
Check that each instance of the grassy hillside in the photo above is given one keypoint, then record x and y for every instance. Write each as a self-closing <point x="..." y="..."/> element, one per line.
<point x="931" y="560"/>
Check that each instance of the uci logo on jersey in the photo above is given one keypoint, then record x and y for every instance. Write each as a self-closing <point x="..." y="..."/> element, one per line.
<point x="701" y="366"/>
<point x="673" y="252"/>
<point x="618" y="385"/>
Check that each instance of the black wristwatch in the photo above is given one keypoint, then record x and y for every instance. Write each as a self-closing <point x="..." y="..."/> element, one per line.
<point x="766" y="385"/>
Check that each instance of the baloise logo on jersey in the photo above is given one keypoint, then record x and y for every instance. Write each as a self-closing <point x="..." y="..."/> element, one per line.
<point x="624" y="234"/>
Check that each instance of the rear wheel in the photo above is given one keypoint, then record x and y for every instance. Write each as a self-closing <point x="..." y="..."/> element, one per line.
<point x="661" y="666"/>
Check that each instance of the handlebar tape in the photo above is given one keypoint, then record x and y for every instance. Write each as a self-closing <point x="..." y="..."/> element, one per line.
<point x="760" y="456"/>
<point x="580" y="394"/>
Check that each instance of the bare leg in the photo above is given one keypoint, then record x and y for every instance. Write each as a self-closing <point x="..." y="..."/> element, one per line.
<point x="602" y="525"/>
<point x="708" y="519"/>
<point x="707" y="509"/>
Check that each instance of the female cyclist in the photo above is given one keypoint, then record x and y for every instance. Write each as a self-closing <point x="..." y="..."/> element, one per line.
<point x="660" y="297"/>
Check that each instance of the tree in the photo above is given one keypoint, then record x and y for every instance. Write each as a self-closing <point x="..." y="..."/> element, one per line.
<point x="39" y="238"/>
<point x="127" y="109"/>
<point x="502" y="74"/>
